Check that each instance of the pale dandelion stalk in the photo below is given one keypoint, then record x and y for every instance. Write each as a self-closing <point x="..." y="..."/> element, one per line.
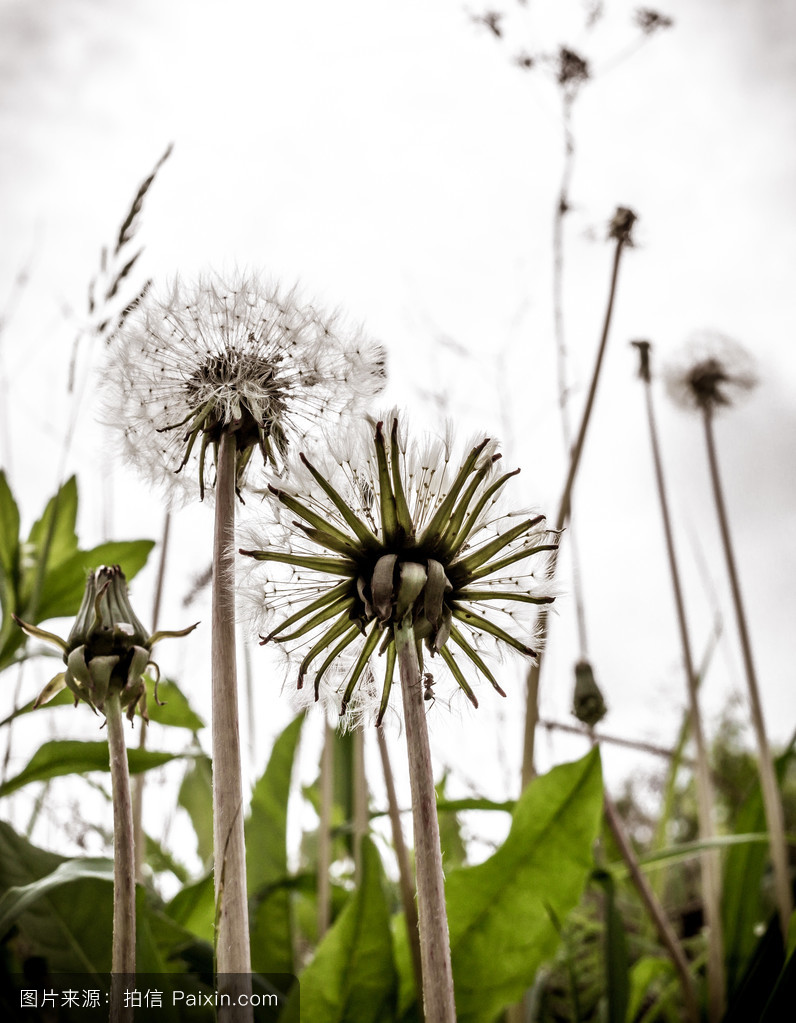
<point x="720" y="371"/>
<point x="709" y="859"/>
<point x="393" y="551"/>
<point x="404" y="867"/>
<point x="620" y="231"/>
<point x="227" y="367"/>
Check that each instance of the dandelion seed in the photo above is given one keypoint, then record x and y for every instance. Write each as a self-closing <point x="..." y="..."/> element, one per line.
<point x="238" y="355"/>
<point x="713" y="373"/>
<point x="378" y="534"/>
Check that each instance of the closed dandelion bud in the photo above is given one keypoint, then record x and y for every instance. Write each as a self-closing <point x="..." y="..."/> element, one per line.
<point x="108" y="650"/>
<point x="378" y="534"/>
<point x="588" y="704"/>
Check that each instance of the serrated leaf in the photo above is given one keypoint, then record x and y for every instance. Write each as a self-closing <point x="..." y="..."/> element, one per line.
<point x="351" y="978"/>
<point x="70" y="756"/>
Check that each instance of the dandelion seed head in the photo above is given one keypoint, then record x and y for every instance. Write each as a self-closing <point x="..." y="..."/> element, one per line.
<point x="713" y="373"/>
<point x="375" y="529"/>
<point x="230" y="354"/>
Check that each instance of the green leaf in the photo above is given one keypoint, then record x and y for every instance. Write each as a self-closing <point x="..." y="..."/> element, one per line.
<point x="194" y="908"/>
<point x="744" y="905"/>
<point x="499" y="912"/>
<point x="645" y="972"/>
<point x="174" y="709"/>
<point x="70" y="756"/>
<point x="63" y="908"/>
<point x="66" y="698"/>
<point x="65" y="584"/>
<point x="196" y="796"/>
<point x="351" y="978"/>
<point x="54" y="533"/>
<point x="454" y="851"/>
<point x="9" y="536"/>
<point x="266" y="858"/>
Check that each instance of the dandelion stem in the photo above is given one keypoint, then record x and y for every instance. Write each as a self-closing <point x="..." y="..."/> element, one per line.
<point x="123" y="954"/>
<point x="404" y="868"/>
<point x="709" y="860"/>
<point x="532" y="715"/>
<point x="655" y="910"/>
<point x="772" y="802"/>
<point x="438" y="998"/>
<point x="233" y="955"/>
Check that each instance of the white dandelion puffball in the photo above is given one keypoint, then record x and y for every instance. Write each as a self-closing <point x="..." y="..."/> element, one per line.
<point x="238" y="354"/>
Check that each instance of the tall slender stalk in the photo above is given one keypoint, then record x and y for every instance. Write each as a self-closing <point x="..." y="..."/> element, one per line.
<point x="772" y="802"/>
<point x="709" y="859"/>
<point x="404" y="867"/>
<point x="655" y="910"/>
<point x="233" y="956"/>
<point x="123" y="949"/>
<point x="620" y="231"/>
<point x="435" y="951"/>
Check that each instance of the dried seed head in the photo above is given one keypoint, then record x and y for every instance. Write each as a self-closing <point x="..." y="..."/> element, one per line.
<point x="231" y="355"/>
<point x="378" y="533"/>
<point x="712" y="374"/>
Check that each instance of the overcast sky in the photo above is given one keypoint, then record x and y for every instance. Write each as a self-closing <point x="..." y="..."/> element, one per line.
<point x="395" y="160"/>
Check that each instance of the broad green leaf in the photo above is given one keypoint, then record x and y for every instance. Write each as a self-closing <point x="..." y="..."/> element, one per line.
<point x="194" y="908"/>
<point x="351" y="978"/>
<point x="65" y="583"/>
<point x="54" y="533"/>
<point x="160" y="860"/>
<point x="744" y="905"/>
<point x="9" y="536"/>
<point x="174" y="709"/>
<point x="266" y="858"/>
<point x="196" y="796"/>
<point x="500" y="911"/>
<point x="70" y="756"/>
<point x="63" y="908"/>
<point x="454" y="852"/>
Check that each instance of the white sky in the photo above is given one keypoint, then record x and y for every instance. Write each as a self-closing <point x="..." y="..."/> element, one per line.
<point x="391" y="158"/>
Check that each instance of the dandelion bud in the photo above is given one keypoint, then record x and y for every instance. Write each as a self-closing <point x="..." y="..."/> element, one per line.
<point x="108" y="649"/>
<point x="588" y="704"/>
